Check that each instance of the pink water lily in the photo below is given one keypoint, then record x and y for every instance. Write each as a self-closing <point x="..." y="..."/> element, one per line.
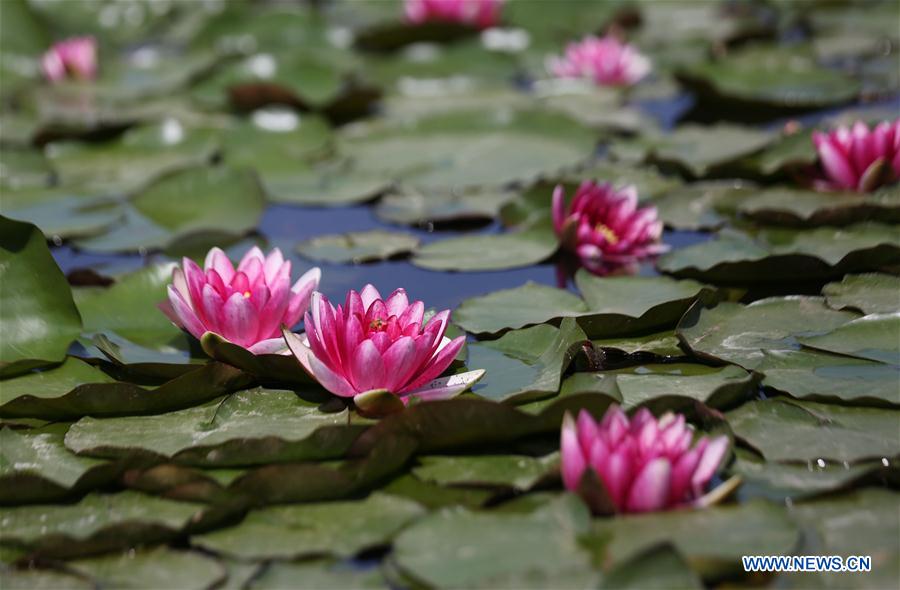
<point x="481" y="14"/>
<point x="605" y="227"/>
<point x="858" y="158"/>
<point x="246" y="305"/>
<point x="71" y="58"/>
<point x="371" y="344"/>
<point x="644" y="464"/>
<point x="607" y="61"/>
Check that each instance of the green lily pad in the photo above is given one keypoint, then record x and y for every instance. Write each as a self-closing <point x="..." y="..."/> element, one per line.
<point x="319" y="574"/>
<point x="62" y="213"/>
<point x="868" y="293"/>
<point x="152" y="568"/>
<point x="414" y="207"/>
<point x="703" y="536"/>
<point x="790" y="152"/>
<point x="246" y="428"/>
<point x="786" y="254"/>
<point x="23" y="168"/>
<point x="612" y="306"/>
<point x="770" y="76"/>
<point x="32" y="579"/>
<point x="38" y="317"/>
<point x="698" y="150"/>
<point x="784" y="430"/>
<point x="783" y="206"/>
<point x="281" y="368"/>
<point x="831" y="527"/>
<point x="36" y="467"/>
<point x="221" y="202"/>
<point x="819" y="376"/>
<point x="716" y="387"/>
<point x="434" y="496"/>
<point x="875" y="337"/>
<point x="464" y="149"/>
<point x="742" y="334"/>
<point x="518" y="472"/>
<point x="118" y="398"/>
<point x="340" y="529"/>
<point x="658" y="567"/>
<point x="482" y="252"/>
<point x="55" y="382"/>
<point x="785" y="480"/>
<point x="96" y="523"/>
<point x="331" y="182"/>
<point x="704" y="205"/>
<point x="659" y="344"/>
<point x="514" y="374"/>
<point x="457" y="548"/>
<point x="142" y="155"/>
<point x="358" y="247"/>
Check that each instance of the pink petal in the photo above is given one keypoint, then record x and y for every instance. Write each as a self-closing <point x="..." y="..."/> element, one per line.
<point x="650" y="489"/>
<point x="274" y="262"/>
<point x="559" y="208"/>
<point x="572" y="459"/>
<point x="588" y="431"/>
<point x="329" y="379"/>
<point x="709" y="463"/>
<point x="445" y="387"/>
<point x="836" y="166"/>
<point x="181" y="314"/>
<point x="399" y="362"/>
<point x="367" y="368"/>
<point x="218" y="261"/>
<point x="438" y="363"/>
<point x="369" y="295"/>
<point x="239" y="320"/>
<point x="397" y="303"/>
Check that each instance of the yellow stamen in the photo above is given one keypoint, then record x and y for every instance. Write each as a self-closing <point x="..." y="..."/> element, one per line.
<point x="246" y="294"/>
<point x="607" y="233"/>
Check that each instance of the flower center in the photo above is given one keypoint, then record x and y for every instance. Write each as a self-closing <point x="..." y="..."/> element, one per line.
<point x="377" y="325"/>
<point x="607" y="233"/>
<point x="246" y="294"/>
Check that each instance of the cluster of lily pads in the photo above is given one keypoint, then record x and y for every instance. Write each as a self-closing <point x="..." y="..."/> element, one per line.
<point x="708" y="367"/>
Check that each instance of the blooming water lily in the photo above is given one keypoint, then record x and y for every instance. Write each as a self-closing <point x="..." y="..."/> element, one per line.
<point x="607" y="61"/>
<point x="71" y="58"/>
<point x="858" y="158"/>
<point x="481" y="14"/>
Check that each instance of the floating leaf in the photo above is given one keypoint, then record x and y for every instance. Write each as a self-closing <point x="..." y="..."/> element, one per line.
<point x="869" y="293"/>
<point x="62" y="213"/>
<point x="223" y="203"/>
<point x="97" y="523"/>
<point x="152" y="568"/>
<point x="413" y="207"/>
<point x="783" y="206"/>
<point x="38" y="317"/>
<point x="246" y="428"/>
<point x="658" y="567"/>
<point x="659" y="344"/>
<point x="322" y="575"/>
<point x="742" y="334"/>
<point x="483" y="252"/>
<point x="341" y="529"/>
<point x="784" y="430"/>
<point x="55" y="382"/>
<point x="786" y="255"/>
<point x="357" y="247"/>
<point x="518" y="472"/>
<point x="457" y="548"/>
<point x="118" y="398"/>
<point x="873" y="337"/>
<point x="516" y="308"/>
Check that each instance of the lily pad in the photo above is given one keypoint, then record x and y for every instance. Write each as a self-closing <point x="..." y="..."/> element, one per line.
<point x="358" y="247"/>
<point x="464" y="149"/>
<point x="786" y="255"/>
<point x="787" y="430"/>
<point x="118" y="398"/>
<point x="700" y="151"/>
<point x="340" y="529"/>
<point x="875" y="337"/>
<point x="320" y="574"/>
<point x="32" y="579"/>
<point x="152" y="568"/>
<point x="516" y="375"/>
<point x="36" y="467"/>
<point x="490" y="550"/>
<point x="55" y="382"/>
<point x="830" y="526"/>
<point x="783" y="206"/>
<point x="24" y="168"/>
<point x="741" y="334"/>
<point x="702" y="536"/>
<point x="221" y="202"/>
<point x="330" y="182"/>
<point x="414" y="207"/>
<point x="246" y="428"/>
<point x="97" y="523"/>
<point x="140" y="156"/>
<point x="820" y="376"/>
<point x="38" y="318"/>
<point x="61" y="213"/>
<point x="658" y="567"/>
<point x="706" y="205"/>
<point x="716" y="387"/>
<point x="517" y="472"/>
<point x="612" y="306"/>
<point x="660" y="344"/>
<point x="769" y="76"/>
<point x="789" y="153"/>
<point x="482" y="252"/>
<point x="868" y="293"/>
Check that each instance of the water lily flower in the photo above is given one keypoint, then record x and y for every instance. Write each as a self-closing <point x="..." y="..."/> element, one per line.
<point x="481" y="14"/>
<point x="373" y="344"/>
<point x="246" y="305"/>
<point x="643" y="464"/>
<point x="608" y="61"/>
<point x="71" y="58"/>
<point x="858" y="158"/>
<point x="605" y="227"/>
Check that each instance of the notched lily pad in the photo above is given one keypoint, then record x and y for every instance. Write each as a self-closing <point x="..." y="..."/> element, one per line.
<point x="358" y="247"/>
<point x="873" y="337"/>
<point x="868" y="293"/>
<point x="783" y="206"/>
